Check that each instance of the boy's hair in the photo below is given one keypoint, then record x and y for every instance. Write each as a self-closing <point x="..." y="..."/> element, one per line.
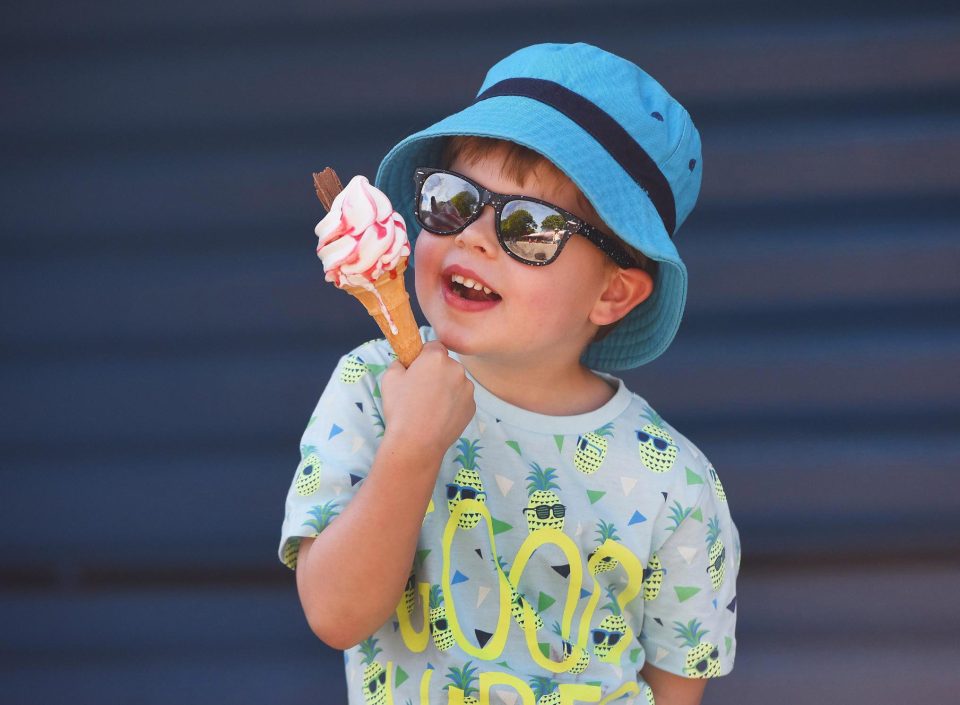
<point x="520" y="161"/>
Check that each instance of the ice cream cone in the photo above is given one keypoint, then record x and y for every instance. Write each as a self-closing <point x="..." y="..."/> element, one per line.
<point x="389" y="305"/>
<point x="386" y="298"/>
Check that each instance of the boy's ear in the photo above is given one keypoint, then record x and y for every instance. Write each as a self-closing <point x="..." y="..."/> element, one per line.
<point x="626" y="289"/>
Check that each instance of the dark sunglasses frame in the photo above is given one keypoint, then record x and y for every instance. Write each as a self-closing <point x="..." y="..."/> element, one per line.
<point x="610" y="246"/>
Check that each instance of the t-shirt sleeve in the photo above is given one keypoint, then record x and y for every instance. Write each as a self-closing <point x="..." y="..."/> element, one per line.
<point x="689" y="622"/>
<point x="337" y="447"/>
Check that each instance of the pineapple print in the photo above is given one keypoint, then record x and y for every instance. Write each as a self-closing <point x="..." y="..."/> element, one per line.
<point x="652" y="578"/>
<point x="291" y="552"/>
<point x="657" y="449"/>
<point x="703" y="659"/>
<point x="581" y="665"/>
<point x="592" y="449"/>
<point x="322" y="515"/>
<point x="517" y="602"/>
<point x="545" y="690"/>
<point x="543" y="509"/>
<point x="439" y="628"/>
<point x="648" y="694"/>
<point x="677" y="514"/>
<point x="374" y="675"/>
<point x="410" y="592"/>
<point x="717" y="485"/>
<point x="607" y="563"/>
<point x="353" y="369"/>
<point x="610" y="630"/>
<point x="716" y="566"/>
<point x="464" y="679"/>
<point x="466" y="484"/>
<point x="308" y="473"/>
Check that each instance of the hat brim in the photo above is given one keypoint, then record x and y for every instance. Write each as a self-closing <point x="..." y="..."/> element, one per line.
<point x="649" y="328"/>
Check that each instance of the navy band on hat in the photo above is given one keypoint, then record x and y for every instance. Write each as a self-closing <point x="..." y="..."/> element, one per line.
<point x="604" y="129"/>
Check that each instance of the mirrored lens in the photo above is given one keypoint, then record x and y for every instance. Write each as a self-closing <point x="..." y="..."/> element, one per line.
<point x="446" y="203"/>
<point x="532" y="230"/>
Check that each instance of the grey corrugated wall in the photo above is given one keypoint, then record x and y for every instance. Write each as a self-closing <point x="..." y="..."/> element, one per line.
<point x="166" y="330"/>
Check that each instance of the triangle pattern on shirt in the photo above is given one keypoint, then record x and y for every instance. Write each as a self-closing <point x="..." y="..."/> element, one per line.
<point x="693" y="478"/>
<point x="504" y="483"/>
<point x="458" y="577"/>
<point x="507" y="697"/>
<point x="637" y="518"/>
<point x="515" y="446"/>
<point x="482" y="593"/>
<point x="482" y="637"/>
<point x="685" y="592"/>
<point x="559" y="441"/>
<point x="595" y="495"/>
<point x="334" y="431"/>
<point x="661" y="654"/>
<point x="358" y="443"/>
<point x="628" y="484"/>
<point x="688" y="552"/>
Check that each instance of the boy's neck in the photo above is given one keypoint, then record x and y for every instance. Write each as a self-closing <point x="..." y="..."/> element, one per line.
<point x="554" y="392"/>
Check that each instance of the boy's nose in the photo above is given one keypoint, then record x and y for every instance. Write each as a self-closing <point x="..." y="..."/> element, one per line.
<point x="481" y="234"/>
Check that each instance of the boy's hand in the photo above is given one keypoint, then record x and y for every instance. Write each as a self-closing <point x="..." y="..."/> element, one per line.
<point x="431" y="402"/>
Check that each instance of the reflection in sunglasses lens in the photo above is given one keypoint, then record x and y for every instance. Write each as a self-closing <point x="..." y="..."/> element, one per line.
<point x="532" y="230"/>
<point x="446" y="203"/>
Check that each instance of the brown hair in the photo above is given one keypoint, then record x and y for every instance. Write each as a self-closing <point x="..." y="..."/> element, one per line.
<point x="518" y="163"/>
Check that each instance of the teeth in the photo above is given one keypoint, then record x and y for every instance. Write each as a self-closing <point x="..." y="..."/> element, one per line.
<point x="470" y="283"/>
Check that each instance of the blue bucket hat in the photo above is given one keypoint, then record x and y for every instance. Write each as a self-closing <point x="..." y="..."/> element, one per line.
<point x="630" y="148"/>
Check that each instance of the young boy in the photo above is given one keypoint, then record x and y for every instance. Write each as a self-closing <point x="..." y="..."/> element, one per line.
<point x="505" y="521"/>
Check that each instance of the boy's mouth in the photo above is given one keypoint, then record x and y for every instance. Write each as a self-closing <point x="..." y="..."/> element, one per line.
<point x="472" y="290"/>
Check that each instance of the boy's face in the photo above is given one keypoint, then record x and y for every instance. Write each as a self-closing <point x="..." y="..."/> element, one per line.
<point x="539" y="314"/>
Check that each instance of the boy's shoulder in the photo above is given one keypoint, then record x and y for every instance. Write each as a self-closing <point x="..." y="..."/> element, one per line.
<point x="666" y="447"/>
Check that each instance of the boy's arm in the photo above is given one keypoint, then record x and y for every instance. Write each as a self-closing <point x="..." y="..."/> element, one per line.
<point x="670" y="689"/>
<point x="351" y="577"/>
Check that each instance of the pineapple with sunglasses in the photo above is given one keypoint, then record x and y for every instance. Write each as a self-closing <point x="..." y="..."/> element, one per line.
<point x="605" y="530"/>
<point x="611" y="629"/>
<point x="466" y="483"/>
<point x="374" y="674"/>
<point x="717" y="554"/>
<point x="543" y="510"/>
<point x="439" y="626"/>
<point x="703" y="658"/>
<point x="658" y="452"/>
<point x="592" y="449"/>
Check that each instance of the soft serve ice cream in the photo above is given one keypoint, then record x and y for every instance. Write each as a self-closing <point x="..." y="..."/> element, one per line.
<point x="361" y="239"/>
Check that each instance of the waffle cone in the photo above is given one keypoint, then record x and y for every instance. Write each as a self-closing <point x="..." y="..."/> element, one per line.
<point x="406" y="342"/>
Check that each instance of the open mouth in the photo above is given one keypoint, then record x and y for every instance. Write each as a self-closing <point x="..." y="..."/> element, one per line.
<point x="471" y="290"/>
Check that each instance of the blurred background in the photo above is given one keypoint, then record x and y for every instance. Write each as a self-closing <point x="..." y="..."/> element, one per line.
<point x="167" y="331"/>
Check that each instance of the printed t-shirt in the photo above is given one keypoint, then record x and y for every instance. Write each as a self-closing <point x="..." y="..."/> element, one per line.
<point x="558" y="554"/>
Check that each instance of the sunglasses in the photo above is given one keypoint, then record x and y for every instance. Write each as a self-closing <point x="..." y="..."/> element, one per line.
<point x="528" y="229"/>
<point x="601" y="635"/>
<point x="658" y="443"/>
<point x="453" y="489"/>
<point x="372" y="685"/>
<point x="543" y="511"/>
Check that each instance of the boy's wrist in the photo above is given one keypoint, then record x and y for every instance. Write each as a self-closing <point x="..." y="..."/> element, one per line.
<point x="406" y="450"/>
